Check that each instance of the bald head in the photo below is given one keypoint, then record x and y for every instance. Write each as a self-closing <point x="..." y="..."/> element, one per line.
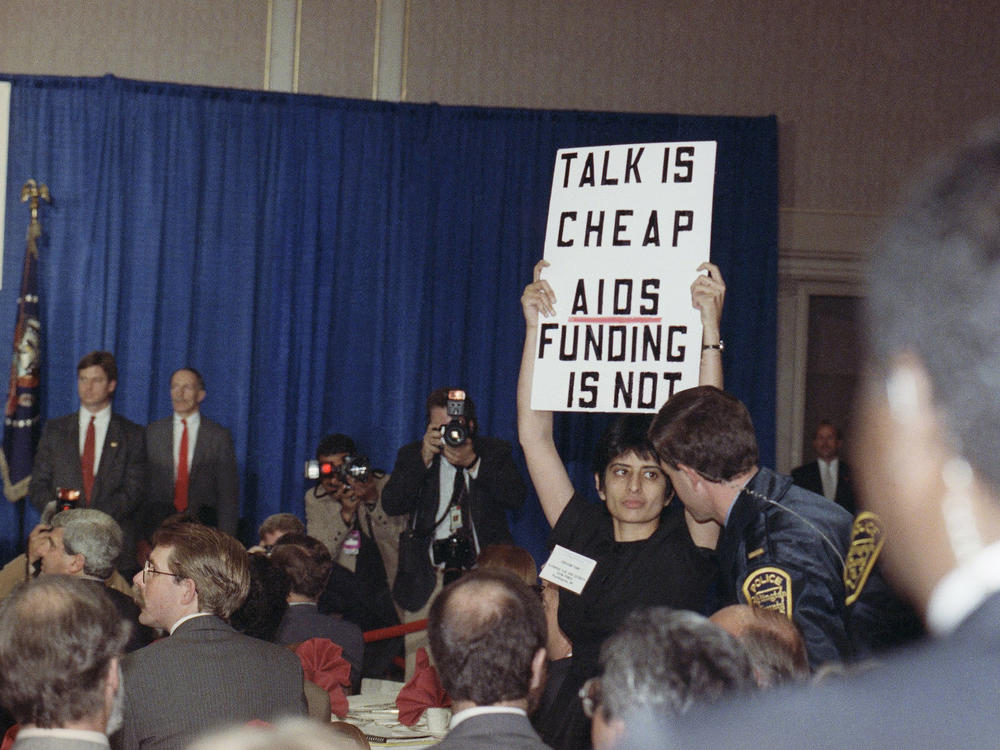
<point x="773" y="642"/>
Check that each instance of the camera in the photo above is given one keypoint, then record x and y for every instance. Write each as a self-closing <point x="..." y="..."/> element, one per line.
<point x="354" y="467"/>
<point x="66" y="499"/>
<point x="456" y="432"/>
<point x="455" y="553"/>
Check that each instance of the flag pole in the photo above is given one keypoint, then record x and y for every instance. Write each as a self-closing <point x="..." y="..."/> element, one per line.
<point x="22" y="413"/>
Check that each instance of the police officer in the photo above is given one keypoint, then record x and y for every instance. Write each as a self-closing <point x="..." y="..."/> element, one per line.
<point x="781" y="547"/>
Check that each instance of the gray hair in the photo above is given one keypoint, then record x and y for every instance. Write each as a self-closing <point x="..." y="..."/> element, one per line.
<point x="664" y="661"/>
<point x="93" y="534"/>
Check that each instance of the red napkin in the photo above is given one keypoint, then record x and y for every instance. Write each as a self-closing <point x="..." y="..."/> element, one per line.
<point x="323" y="663"/>
<point x="9" y="737"/>
<point x="422" y="691"/>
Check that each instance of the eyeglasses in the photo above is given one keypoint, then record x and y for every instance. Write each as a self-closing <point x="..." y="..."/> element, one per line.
<point x="590" y="696"/>
<point x="148" y="570"/>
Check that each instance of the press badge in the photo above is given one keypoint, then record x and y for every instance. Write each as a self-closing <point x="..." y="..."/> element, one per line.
<point x="568" y="569"/>
<point x="352" y="544"/>
<point x="454" y="519"/>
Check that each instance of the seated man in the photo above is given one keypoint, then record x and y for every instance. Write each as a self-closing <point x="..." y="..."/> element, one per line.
<point x="487" y="635"/>
<point x="86" y="543"/>
<point x="307" y="564"/>
<point x="276" y="526"/>
<point x="772" y="641"/>
<point x="59" y="645"/>
<point x="660" y="662"/>
<point x="205" y="674"/>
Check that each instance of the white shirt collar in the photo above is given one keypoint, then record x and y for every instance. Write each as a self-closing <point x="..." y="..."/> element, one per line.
<point x="468" y="713"/>
<point x="86" y="735"/>
<point x="963" y="589"/>
<point x="185" y="618"/>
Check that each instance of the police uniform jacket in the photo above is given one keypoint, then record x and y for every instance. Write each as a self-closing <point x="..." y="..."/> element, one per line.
<point x="785" y="548"/>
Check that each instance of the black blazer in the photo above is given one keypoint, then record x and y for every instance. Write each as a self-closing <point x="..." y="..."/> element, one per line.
<point x="118" y="486"/>
<point x="498" y="486"/>
<point x="807" y="477"/>
<point x="213" y="484"/>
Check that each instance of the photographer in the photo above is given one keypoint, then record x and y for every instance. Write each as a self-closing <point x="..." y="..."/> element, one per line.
<point x="457" y="486"/>
<point x="344" y="511"/>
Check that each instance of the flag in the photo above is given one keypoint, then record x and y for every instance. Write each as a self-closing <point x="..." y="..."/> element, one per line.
<point x="22" y="418"/>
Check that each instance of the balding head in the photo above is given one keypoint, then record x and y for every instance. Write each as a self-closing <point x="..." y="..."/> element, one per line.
<point x="486" y="630"/>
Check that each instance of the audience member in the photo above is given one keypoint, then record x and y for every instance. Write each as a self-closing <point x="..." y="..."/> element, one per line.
<point x="546" y="719"/>
<point x="661" y="662"/>
<point x="456" y="491"/>
<point x="261" y="613"/>
<point x="829" y="474"/>
<point x="636" y="535"/>
<point x="286" y="734"/>
<point x="29" y="564"/>
<point x="276" y="526"/>
<point x="205" y="674"/>
<point x="510" y="557"/>
<point x="781" y="547"/>
<point x="772" y="641"/>
<point x="487" y="636"/>
<point x="306" y="562"/>
<point x="926" y="462"/>
<point x="99" y="454"/>
<point x="191" y="461"/>
<point x="60" y="644"/>
<point x="86" y="543"/>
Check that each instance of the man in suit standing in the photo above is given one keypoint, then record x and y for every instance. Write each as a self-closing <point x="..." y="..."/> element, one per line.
<point x="60" y="644"/>
<point x="205" y="674"/>
<point x="487" y="633"/>
<point x="100" y="454"/>
<point x="191" y="462"/>
<point x="828" y="475"/>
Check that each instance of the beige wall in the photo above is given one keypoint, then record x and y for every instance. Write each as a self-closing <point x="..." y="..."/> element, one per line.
<point x="863" y="91"/>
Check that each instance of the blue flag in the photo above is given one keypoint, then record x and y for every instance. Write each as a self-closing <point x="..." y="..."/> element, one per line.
<point x="22" y="418"/>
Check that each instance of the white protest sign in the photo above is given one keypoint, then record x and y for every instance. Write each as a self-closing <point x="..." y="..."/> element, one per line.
<point x="627" y="228"/>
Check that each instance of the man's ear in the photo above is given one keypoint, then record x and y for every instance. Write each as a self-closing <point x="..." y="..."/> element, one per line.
<point x="539" y="667"/>
<point x="190" y="593"/>
<point x="599" y="484"/>
<point x="77" y="564"/>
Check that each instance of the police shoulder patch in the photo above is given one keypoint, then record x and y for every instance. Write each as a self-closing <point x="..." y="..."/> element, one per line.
<point x="867" y="539"/>
<point x="769" y="588"/>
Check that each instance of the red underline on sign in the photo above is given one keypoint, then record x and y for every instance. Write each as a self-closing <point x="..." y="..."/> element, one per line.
<point x="613" y="319"/>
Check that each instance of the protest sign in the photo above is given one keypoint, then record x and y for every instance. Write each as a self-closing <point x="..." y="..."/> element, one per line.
<point x="627" y="228"/>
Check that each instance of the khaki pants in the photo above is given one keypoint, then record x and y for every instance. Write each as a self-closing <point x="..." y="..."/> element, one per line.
<point x="413" y="641"/>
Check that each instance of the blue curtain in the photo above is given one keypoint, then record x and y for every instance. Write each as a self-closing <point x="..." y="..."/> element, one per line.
<point x="326" y="262"/>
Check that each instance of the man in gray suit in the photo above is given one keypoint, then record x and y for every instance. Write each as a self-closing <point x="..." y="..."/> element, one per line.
<point x="487" y="633"/>
<point x="98" y="453"/>
<point x="202" y="481"/>
<point x="60" y="644"/>
<point x="929" y="416"/>
<point x="205" y="674"/>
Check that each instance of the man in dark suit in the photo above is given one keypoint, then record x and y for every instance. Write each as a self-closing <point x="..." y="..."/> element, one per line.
<point x="99" y="454"/>
<point x="205" y="674"/>
<point x="487" y="633"/>
<point x="929" y="410"/>
<point x="458" y="487"/>
<point x="307" y="564"/>
<point x="836" y="485"/>
<point x="60" y="644"/>
<point x="203" y="480"/>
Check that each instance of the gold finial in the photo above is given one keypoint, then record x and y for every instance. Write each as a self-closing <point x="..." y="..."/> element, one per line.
<point x="32" y="191"/>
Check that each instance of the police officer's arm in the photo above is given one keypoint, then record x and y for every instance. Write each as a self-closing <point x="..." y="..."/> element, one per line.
<point x="708" y="292"/>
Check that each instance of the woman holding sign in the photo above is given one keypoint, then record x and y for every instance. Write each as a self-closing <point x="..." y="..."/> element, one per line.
<point x="640" y="548"/>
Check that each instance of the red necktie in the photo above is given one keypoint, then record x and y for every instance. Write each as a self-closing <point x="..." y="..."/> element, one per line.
<point x="87" y="460"/>
<point x="181" y="485"/>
